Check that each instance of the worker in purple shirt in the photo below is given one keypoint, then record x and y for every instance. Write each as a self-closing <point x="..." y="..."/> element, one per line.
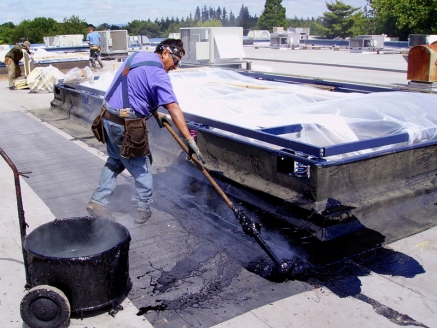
<point x="140" y="86"/>
<point x="93" y="39"/>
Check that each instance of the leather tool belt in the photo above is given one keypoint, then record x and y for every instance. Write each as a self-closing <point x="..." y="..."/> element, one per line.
<point x="113" y="118"/>
<point x="97" y="126"/>
<point x="135" y="139"/>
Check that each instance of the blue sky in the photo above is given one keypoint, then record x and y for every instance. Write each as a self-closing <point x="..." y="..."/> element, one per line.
<point x="116" y="12"/>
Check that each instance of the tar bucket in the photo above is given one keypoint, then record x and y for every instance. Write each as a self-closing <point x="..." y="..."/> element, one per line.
<point x="86" y="258"/>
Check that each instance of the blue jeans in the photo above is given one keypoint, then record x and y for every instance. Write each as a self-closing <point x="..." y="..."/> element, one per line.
<point x="139" y="168"/>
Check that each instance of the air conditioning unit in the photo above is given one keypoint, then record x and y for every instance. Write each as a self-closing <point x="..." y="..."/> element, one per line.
<point x="419" y="39"/>
<point x="366" y="43"/>
<point x="212" y="44"/>
<point x="113" y="42"/>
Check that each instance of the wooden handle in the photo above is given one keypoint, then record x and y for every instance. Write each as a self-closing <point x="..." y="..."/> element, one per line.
<point x="199" y="166"/>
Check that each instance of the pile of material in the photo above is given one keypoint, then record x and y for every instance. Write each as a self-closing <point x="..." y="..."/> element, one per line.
<point x="43" y="78"/>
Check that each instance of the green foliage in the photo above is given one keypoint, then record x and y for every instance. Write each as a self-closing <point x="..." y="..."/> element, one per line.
<point x="147" y="28"/>
<point x="6" y="30"/>
<point x="272" y="15"/>
<point x="245" y="20"/>
<point x="73" y="25"/>
<point x="210" y="23"/>
<point x="403" y="17"/>
<point x="340" y="20"/>
<point x="33" y="31"/>
<point x="106" y="26"/>
<point x="315" y="24"/>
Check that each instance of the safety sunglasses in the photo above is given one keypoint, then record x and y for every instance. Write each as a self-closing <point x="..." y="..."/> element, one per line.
<point x="176" y="58"/>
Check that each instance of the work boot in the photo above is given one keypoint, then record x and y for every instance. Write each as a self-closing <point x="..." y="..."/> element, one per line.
<point x="101" y="64"/>
<point x="141" y="215"/>
<point x="99" y="211"/>
<point x="12" y="88"/>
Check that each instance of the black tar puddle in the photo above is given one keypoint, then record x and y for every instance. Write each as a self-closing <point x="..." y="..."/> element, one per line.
<point x="205" y="270"/>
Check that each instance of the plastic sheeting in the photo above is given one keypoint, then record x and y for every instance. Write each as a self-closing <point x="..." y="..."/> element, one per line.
<point x="77" y="75"/>
<point x="327" y="118"/>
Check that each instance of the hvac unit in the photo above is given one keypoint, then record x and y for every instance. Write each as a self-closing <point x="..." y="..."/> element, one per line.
<point x="212" y="44"/>
<point x="259" y="34"/>
<point x="65" y="40"/>
<point x="70" y="40"/>
<point x="419" y="39"/>
<point x="174" y="36"/>
<point x="284" y="40"/>
<point x="114" y="43"/>
<point x="366" y="43"/>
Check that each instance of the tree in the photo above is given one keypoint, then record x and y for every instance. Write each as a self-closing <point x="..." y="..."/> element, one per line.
<point x="369" y="23"/>
<point x="6" y="30"/>
<point x="340" y="20"/>
<point x="272" y="15"/>
<point x="406" y="16"/>
<point x="205" y="14"/>
<point x="232" y="20"/>
<point x="224" y="18"/>
<point x="210" y="23"/>
<point x="243" y="18"/>
<point x="148" y="28"/>
<point x="34" y="30"/>
<point x="315" y="24"/>
<point x="74" y="25"/>
<point x="211" y="13"/>
<point x="197" y="14"/>
<point x="218" y="13"/>
<point x="114" y="27"/>
<point x="103" y="27"/>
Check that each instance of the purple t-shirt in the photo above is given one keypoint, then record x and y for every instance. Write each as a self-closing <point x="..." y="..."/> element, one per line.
<point x="149" y="86"/>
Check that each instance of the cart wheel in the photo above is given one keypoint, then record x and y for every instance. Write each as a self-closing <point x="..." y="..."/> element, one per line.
<point x="45" y="307"/>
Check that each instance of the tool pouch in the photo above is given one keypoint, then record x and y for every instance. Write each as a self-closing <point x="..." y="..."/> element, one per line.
<point x="94" y="47"/>
<point x="98" y="128"/>
<point x="135" y="140"/>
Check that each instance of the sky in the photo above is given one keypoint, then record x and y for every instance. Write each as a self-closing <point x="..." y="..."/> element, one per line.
<point x="97" y="12"/>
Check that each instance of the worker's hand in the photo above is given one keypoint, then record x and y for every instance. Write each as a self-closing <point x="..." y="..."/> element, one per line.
<point x="161" y="119"/>
<point x="193" y="149"/>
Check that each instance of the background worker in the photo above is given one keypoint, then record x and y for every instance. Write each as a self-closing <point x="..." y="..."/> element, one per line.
<point x="93" y="39"/>
<point x="12" y="61"/>
<point x="148" y="86"/>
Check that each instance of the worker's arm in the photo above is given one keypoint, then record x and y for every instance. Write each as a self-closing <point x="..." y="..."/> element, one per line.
<point x="177" y="116"/>
<point x="178" y="119"/>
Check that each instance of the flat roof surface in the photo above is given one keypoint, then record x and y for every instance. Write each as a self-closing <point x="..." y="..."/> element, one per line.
<point x="191" y="256"/>
<point x="367" y="67"/>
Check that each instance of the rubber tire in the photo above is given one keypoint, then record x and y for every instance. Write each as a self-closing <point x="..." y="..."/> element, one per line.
<point x="38" y="300"/>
